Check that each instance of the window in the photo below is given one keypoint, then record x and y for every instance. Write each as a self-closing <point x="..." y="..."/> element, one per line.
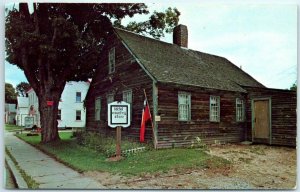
<point x="214" y="109"/>
<point x="97" y="108"/>
<point x="240" y="110"/>
<point x="59" y="114"/>
<point x="111" y="60"/>
<point x="110" y="98"/>
<point x="127" y="97"/>
<point x="78" y="97"/>
<point x="184" y="106"/>
<point x="78" y="115"/>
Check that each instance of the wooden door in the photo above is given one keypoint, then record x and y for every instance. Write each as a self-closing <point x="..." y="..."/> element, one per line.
<point x="261" y="128"/>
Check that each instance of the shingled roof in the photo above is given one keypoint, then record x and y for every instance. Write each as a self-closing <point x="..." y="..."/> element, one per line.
<point x="170" y="63"/>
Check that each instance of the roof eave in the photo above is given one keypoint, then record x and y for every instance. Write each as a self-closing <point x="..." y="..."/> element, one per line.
<point x="201" y="86"/>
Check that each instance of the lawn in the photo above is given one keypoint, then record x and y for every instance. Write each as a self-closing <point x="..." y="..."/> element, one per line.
<point x="85" y="159"/>
<point x="12" y="128"/>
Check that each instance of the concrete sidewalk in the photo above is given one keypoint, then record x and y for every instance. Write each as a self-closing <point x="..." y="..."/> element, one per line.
<point x="46" y="171"/>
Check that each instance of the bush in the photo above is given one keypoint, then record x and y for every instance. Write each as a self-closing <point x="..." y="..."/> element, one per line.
<point x="107" y="144"/>
<point x="196" y="142"/>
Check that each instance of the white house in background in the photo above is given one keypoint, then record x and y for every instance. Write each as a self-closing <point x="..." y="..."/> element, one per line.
<point x="22" y="110"/>
<point x="9" y="113"/>
<point x="71" y="112"/>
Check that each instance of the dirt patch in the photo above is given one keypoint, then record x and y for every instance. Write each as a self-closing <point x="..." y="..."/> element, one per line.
<point x="265" y="167"/>
<point x="253" y="167"/>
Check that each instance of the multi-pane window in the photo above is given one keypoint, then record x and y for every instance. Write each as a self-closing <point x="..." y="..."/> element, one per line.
<point x="97" y="108"/>
<point x="78" y="115"/>
<point x="127" y="97"/>
<point x="59" y="115"/>
<point x="78" y="97"/>
<point x="111" y="60"/>
<point x="214" y="109"/>
<point x="184" y="106"/>
<point x="110" y="98"/>
<point x="240" y="110"/>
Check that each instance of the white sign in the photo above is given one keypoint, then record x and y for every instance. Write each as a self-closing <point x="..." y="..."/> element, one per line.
<point x="157" y="118"/>
<point x="118" y="114"/>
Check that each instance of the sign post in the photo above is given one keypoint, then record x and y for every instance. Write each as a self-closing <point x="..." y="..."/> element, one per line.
<point x="118" y="146"/>
<point x="118" y="117"/>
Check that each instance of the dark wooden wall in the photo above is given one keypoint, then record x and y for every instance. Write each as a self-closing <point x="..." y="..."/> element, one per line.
<point x="283" y="114"/>
<point x="128" y="75"/>
<point x="174" y="133"/>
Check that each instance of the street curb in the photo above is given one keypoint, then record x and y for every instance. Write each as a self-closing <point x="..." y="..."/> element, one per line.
<point x="20" y="182"/>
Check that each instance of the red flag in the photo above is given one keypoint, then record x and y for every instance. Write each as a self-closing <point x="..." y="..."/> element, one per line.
<point x="146" y="115"/>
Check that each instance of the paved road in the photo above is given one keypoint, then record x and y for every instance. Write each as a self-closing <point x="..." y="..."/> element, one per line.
<point x="46" y="171"/>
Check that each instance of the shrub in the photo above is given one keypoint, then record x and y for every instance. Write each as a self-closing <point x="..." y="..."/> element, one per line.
<point x="197" y="143"/>
<point x="107" y="144"/>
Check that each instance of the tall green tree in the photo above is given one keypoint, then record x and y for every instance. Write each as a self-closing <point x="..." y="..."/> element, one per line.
<point x="60" y="42"/>
<point x="22" y="88"/>
<point x="10" y="93"/>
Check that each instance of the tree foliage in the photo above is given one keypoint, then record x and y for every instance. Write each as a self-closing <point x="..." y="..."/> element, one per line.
<point x="294" y="87"/>
<point x="10" y="93"/>
<point x="60" y="42"/>
<point x="63" y="41"/>
<point x="22" y="88"/>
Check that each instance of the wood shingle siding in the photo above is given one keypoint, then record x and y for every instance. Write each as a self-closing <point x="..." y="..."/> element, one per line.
<point x="127" y="75"/>
<point x="283" y="114"/>
<point x="172" y="132"/>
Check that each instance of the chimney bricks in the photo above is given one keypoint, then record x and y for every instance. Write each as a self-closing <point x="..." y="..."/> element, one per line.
<point x="180" y="35"/>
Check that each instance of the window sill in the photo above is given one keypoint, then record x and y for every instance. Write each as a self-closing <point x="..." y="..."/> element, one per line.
<point x="78" y="120"/>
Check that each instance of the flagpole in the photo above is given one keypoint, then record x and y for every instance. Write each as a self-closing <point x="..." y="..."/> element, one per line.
<point x="155" y="141"/>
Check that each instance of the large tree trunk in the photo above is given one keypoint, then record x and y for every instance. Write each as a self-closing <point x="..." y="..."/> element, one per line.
<point x="49" y="115"/>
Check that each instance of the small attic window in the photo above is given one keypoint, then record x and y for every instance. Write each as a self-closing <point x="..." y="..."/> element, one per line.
<point x="111" y="61"/>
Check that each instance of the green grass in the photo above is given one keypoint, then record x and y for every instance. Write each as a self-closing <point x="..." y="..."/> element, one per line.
<point x="12" y="128"/>
<point x="85" y="159"/>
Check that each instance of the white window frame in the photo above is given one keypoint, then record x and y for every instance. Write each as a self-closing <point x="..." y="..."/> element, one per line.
<point x="184" y="106"/>
<point x="97" y="108"/>
<point x="214" y="108"/>
<point x="127" y="97"/>
<point x="127" y="94"/>
<point x="110" y="98"/>
<point x="78" y="97"/>
<point x="240" y="110"/>
<point x="111" y="60"/>
<point x="76" y="115"/>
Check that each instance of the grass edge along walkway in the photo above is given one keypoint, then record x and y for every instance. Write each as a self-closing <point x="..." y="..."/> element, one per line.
<point x="81" y="158"/>
<point x="31" y="183"/>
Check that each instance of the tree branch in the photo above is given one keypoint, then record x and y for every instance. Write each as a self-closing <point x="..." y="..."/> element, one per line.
<point x="35" y="19"/>
<point x="33" y="81"/>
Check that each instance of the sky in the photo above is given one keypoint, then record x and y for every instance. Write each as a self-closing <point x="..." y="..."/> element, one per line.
<point x="259" y="38"/>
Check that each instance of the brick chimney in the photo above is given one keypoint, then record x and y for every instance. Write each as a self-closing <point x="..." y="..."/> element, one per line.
<point x="180" y="35"/>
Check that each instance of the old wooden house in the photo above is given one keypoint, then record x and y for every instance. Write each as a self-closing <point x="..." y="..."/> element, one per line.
<point x="190" y="93"/>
